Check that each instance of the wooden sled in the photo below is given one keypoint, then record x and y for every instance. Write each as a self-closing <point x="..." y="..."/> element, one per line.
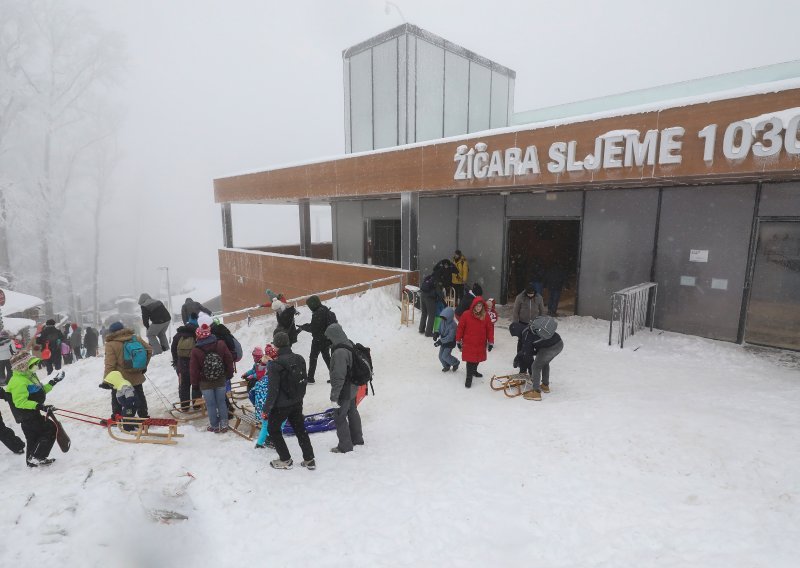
<point x="408" y="312"/>
<point x="195" y="410"/>
<point x="511" y="385"/>
<point x="450" y="297"/>
<point x="238" y="389"/>
<point x="245" y="425"/>
<point x="141" y="434"/>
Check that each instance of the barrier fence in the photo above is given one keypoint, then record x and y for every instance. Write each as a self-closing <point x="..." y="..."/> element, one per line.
<point x="630" y="309"/>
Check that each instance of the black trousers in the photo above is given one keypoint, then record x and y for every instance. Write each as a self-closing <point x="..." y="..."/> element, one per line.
<point x="186" y="391"/>
<point x="459" y="288"/>
<point x="295" y="416"/>
<point x="54" y="362"/>
<point x="317" y="348"/>
<point x="40" y="435"/>
<point x="5" y="371"/>
<point x="10" y="438"/>
<point x="426" y="320"/>
<point x="77" y="353"/>
<point x="141" y="402"/>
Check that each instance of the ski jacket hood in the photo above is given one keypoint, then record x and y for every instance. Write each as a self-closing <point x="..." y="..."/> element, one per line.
<point x="336" y="334"/>
<point x="448" y="313"/>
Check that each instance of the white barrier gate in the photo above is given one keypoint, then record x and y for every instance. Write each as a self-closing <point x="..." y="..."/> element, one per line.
<point x="629" y="310"/>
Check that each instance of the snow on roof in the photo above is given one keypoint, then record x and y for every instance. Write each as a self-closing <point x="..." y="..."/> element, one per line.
<point x="15" y="325"/>
<point x="18" y="302"/>
<point x="198" y="289"/>
<point x="749" y="90"/>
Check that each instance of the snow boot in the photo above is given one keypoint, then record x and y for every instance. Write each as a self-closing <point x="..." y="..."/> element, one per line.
<point x="310" y="380"/>
<point x="545" y="388"/>
<point x="468" y="382"/>
<point x="477" y="374"/>
<point x="532" y="395"/>
<point x="309" y="464"/>
<point x="36" y="462"/>
<point x="445" y="369"/>
<point x="280" y="464"/>
<point x="455" y="367"/>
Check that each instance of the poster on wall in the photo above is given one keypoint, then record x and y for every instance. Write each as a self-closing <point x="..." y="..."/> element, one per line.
<point x="696" y="255"/>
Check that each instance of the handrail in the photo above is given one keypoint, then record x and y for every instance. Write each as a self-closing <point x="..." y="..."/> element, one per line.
<point x="334" y="291"/>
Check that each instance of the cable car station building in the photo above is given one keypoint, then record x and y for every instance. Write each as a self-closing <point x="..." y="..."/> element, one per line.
<point x="694" y="186"/>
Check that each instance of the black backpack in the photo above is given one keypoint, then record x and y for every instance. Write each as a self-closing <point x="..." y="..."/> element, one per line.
<point x="428" y="284"/>
<point x="294" y="377"/>
<point x="213" y="367"/>
<point x="360" y="372"/>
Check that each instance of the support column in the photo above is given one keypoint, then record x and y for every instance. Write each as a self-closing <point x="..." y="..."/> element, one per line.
<point x="227" y="226"/>
<point x="304" y="206"/>
<point x="409" y="230"/>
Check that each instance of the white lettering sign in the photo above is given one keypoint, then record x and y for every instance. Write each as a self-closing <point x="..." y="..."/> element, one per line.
<point x="696" y="255"/>
<point x="763" y="136"/>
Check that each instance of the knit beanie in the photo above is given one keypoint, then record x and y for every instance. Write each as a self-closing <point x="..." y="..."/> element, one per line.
<point x="313" y="303"/>
<point x="204" y="319"/>
<point x="116" y="326"/>
<point x="281" y="339"/>
<point x="270" y="351"/>
<point x="258" y="353"/>
<point x="278" y="306"/>
<point x="21" y="360"/>
<point x="203" y="331"/>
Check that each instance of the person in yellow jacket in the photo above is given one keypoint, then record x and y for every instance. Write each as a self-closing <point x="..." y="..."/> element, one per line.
<point x="27" y="400"/>
<point x="460" y="278"/>
<point x="124" y="392"/>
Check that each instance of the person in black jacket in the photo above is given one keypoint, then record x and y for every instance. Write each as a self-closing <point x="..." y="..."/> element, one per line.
<point x="182" y="344"/>
<point x="321" y="318"/>
<point x="466" y="302"/>
<point x="192" y="307"/>
<point x="156" y="318"/>
<point x="287" y="375"/>
<point x="90" y="342"/>
<point x="285" y="316"/>
<point x="51" y="337"/>
<point x="535" y="356"/>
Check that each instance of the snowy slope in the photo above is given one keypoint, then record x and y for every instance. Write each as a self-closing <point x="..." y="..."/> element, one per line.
<point x="682" y="453"/>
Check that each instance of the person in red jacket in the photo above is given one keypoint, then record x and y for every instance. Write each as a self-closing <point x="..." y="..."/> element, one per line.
<point x="210" y="366"/>
<point x="475" y="334"/>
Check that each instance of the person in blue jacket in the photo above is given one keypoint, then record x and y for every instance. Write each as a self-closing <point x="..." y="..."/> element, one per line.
<point x="445" y="340"/>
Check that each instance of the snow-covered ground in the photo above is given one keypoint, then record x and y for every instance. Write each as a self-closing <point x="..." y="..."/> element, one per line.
<point x="683" y="452"/>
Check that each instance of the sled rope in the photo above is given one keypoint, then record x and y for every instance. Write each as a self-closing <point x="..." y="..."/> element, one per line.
<point x="164" y="400"/>
<point x="96" y="420"/>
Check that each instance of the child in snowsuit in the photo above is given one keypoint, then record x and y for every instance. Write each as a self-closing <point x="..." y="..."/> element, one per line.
<point x="490" y="311"/>
<point x="258" y="395"/>
<point x="285" y="316"/>
<point x="27" y="404"/>
<point x="445" y="340"/>
<point x="475" y="334"/>
<point x="126" y="395"/>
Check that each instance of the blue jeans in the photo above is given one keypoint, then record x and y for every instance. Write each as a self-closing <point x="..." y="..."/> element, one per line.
<point x="445" y="357"/>
<point x="217" y="407"/>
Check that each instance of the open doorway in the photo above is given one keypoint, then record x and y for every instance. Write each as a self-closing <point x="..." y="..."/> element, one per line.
<point x="545" y="253"/>
<point x="383" y="242"/>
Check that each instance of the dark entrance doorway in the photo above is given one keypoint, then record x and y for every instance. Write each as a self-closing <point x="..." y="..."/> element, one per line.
<point x="383" y="242"/>
<point x="773" y="315"/>
<point x="546" y="253"/>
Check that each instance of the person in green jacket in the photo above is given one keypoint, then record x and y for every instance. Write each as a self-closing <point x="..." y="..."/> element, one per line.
<point x="27" y="403"/>
<point x="125" y="393"/>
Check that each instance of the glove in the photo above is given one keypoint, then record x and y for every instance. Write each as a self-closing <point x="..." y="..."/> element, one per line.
<point x="437" y="343"/>
<point x="45" y="407"/>
<point x="435" y="335"/>
<point x="490" y="346"/>
<point x="460" y="345"/>
<point x="106" y="386"/>
<point x="57" y="379"/>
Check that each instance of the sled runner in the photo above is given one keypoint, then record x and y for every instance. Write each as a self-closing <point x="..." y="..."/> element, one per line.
<point x="137" y="430"/>
<point x="61" y="436"/>
<point x="450" y="297"/>
<point x="245" y="425"/>
<point x="238" y="389"/>
<point x="190" y="410"/>
<point x="511" y="385"/>
<point x="408" y="312"/>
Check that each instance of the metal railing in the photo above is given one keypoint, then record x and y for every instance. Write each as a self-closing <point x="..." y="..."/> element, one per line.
<point x="630" y="308"/>
<point x="324" y="295"/>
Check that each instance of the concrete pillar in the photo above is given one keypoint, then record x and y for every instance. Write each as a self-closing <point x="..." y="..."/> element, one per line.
<point x="409" y="229"/>
<point x="227" y="226"/>
<point x="304" y="206"/>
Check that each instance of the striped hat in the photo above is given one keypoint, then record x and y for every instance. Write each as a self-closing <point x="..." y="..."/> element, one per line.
<point x="203" y="331"/>
<point x="21" y="361"/>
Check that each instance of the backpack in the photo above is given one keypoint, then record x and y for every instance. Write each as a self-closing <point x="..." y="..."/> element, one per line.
<point x="185" y="346"/>
<point x="331" y="318"/>
<point x="134" y="355"/>
<point x="213" y="367"/>
<point x="293" y="377"/>
<point x="360" y="372"/>
<point x="427" y="284"/>
<point x="237" y="350"/>
<point x="65" y="348"/>
<point x="544" y="326"/>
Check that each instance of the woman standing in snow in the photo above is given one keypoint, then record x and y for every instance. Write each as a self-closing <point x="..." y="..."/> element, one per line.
<point x="475" y="334"/>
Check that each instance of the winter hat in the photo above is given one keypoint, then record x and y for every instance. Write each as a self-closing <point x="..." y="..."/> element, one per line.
<point x="204" y="319"/>
<point x="278" y="306"/>
<point x="281" y="339"/>
<point x="477" y="289"/>
<point x="203" y="331"/>
<point x="21" y="360"/>
<point x="50" y="322"/>
<point x="258" y="353"/>
<point x="313" y="303"/>
<point x="116" y="326"/>
<point x="270" y="351"/>
<point x="529" y="289"/>
<point x="74" y="326"/>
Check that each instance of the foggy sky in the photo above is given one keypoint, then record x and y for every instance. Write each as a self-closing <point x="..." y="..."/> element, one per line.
<point x="213" y="88"/>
